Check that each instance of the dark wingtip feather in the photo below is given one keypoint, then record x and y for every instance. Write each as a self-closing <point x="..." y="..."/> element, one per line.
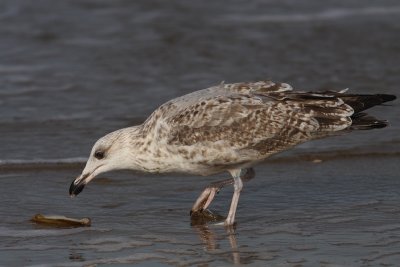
<point x="364" y="122"/>
<point x="361" y="121"/>
<point x="386" y="98"/>
<point x="362" y="102"/>
<point x="380" y="124"/>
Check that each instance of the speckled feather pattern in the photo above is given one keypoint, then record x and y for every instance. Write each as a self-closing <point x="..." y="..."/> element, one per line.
<point x="232" y="126"/>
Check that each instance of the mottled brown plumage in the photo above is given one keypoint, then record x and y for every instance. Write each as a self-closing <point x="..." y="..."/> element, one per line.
<point x="245" y="122"/>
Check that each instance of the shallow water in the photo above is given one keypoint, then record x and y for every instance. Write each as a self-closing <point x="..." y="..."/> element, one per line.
<point x="71" y="71"/>
<point x="333" y="213"/>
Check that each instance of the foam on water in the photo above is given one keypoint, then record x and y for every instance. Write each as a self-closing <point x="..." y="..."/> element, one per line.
<point x="305" y="153"/>
<point x="7" y="232"/>
<point x="42" y="161"/>
<point x="131" y="259"/>
<point x="330" y="14"/>
<point x="41" y="164"/>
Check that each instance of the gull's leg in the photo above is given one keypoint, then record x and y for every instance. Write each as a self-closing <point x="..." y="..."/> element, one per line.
<point x="208" y="194"/>
<point x="238" y="185"/>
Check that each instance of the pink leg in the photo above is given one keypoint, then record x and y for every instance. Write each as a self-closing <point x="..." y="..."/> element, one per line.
<point x="238" y="185"/>
<point x="208" y="194"/>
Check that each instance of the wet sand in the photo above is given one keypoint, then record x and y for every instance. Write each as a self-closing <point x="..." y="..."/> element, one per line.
<point x="338" y="212"/>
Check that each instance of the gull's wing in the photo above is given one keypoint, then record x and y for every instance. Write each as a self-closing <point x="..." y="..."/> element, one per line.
<point x="216" y="104"/>
<point x="262" y="118"/>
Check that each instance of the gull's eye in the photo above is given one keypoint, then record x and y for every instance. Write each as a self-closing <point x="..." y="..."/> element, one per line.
<point x="99" y="154"/>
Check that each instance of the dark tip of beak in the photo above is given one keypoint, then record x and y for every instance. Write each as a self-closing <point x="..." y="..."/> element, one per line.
<point x="77" y="185"/>
<point x="75" y="189"/>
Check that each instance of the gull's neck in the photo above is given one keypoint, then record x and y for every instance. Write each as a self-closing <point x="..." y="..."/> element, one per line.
<point x="143" y="149"/>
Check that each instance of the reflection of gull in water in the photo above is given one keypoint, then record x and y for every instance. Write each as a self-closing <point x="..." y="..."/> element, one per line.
<point x="209" y="238"/>
<point x="229" y="127"/>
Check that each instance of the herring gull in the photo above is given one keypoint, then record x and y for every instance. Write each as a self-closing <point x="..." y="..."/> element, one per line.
<point x="228" y="127"/>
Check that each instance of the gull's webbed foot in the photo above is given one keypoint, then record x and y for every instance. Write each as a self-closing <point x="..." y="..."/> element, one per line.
<point x="205" y="199"/>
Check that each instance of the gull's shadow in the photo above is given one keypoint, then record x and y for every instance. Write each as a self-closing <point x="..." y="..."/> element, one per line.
<point x="200" y="220"/>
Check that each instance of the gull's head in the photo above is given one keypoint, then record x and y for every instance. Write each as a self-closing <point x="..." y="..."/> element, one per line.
<point x="109" y="153"/>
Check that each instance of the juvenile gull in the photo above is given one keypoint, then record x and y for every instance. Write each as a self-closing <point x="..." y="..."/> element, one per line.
<point x="228" y="127"/>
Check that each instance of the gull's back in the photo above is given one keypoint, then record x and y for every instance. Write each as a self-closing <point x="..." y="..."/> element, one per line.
<point x="232" y="126"/>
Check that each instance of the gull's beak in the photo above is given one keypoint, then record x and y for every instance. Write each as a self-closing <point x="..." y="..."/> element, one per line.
<point x="87" y="175"/>
<point x="78" y="184"/>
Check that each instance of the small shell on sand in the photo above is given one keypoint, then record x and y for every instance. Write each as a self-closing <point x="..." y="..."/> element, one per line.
<point x="60" y="221"/>
<point x="317" y="161"/>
